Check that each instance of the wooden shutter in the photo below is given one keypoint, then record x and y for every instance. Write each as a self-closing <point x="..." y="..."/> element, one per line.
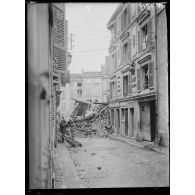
<point x="53" y="103"/>
<point x="121" y="19"/>
<point x="151" y="74"/>
<point x="111" y="90"/>
<point x="139" y="41"/>
<point x="60" y="58"/>
<point x="128" y="15"/>
<point x="58" y="21"/>
<point x="121" y="54"/>
<point x="58" y="33"/>
<point x="138" y="79"/>
<point x="129" y="49"/>
<point x="150" y="34"/>
<point x="129" y="84"/>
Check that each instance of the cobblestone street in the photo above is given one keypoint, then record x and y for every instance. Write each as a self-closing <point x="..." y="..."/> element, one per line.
<point x="103" y="162"/>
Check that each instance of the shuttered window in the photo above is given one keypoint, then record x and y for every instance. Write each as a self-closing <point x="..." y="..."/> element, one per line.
<point x="128" y="15"/>
<point x="65" y="78"/>
<point x="151" y="74"/>
<point x="121" y="19"/>
<point x="60" y="58"/>
<point x="139" y="41"/>
<point x="134" y="41"/>
<point x="53" y="103"/>
<point x="138" y="79"/>
<point x="129" y="84"/>
<point x="150" y="34"/>
<point x="121" y="54"/>
<point x="58" y="25"/>
<point x="129" y="49"/>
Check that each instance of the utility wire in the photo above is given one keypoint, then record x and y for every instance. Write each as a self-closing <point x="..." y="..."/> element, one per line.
<point x="91" y="33"/>
<point x="94" y="38"/>
<point x="79" y="26"/>
<point x="105" y="48"/>
<point x="88" y="50"/>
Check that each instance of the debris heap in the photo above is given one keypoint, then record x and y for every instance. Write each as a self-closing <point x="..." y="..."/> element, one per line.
<point x="94" y="124"/>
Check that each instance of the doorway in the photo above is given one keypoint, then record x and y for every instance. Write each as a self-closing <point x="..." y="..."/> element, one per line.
<point x="112" y="118"/>
<point x="118" y="121"/>
<point x="132" y="121"/>
<point x="147" y="120"/>
<point x="126" y="121"/>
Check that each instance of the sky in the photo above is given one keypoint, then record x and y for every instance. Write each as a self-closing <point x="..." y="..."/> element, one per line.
<point x="87" y="21"/>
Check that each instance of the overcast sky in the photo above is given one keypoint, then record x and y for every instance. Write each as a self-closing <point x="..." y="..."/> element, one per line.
<point x="87" y="21"/>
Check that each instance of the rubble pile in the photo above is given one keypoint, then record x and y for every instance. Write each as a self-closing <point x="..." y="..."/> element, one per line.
<point x="95" y="124"/>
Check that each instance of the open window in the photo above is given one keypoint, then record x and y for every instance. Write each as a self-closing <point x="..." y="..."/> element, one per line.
<point x="145" y="77"/>
<point x="125" y="52"/>
<point x="144" y="33"/>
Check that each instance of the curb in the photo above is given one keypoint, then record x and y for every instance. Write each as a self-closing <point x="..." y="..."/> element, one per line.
<point x="137" y="145"/>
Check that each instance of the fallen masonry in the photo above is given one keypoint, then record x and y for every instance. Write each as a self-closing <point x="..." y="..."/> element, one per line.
<point x="91" y="122"/>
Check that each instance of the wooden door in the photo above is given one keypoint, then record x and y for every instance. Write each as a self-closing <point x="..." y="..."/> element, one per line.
<point x="126" y="122"/>
<point x="145" y="121"/>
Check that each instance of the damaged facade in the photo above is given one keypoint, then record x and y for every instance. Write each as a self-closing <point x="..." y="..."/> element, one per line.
<point x="139" y="72"/>
<point x="48" y="62"/>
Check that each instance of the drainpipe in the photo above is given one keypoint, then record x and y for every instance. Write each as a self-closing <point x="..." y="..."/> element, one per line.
<point x="156" y="68"/>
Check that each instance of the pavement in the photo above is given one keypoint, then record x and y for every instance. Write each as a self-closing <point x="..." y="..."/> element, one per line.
<point x="103" y="162"/>
<point x="65" y="171"/>
<point x="143" y="144"/>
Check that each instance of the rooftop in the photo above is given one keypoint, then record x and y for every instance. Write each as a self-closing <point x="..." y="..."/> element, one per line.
<point x="92" y="74"/>
<point x="75" y="76"/>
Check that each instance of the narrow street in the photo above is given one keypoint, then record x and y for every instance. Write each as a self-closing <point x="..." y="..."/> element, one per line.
<point x="103" y="162"/>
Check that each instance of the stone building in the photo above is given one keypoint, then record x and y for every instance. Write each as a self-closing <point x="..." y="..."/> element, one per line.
<point x="136" y="107"/>
<point x="92" y="86"/>
<point x="47" y="72"/>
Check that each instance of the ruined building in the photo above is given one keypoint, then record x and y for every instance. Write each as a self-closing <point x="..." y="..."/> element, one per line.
<point x="139" y="71"/>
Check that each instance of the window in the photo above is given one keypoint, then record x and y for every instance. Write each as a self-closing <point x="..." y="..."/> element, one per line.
<point x="145" y="37"/>
<point x="125" y="52"/>
<point x="125" y="85"/>
<point x="133" y="10"/>
<point x="145" y="77"/>
<point x="79" y="84"/>
<point x="144" y="31"/>
<point x="79" y="92"/>
<point x="125" y="18"/>
<point x="112" y="89"/>
<point x="134" y="41"/>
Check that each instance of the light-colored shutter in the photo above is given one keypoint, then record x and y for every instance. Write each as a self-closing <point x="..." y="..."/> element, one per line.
<point x="139" y="41"/>
<point x="111" y="90"/>
<point x="128" y="15"/>
<point x="138" y="79"/>
<point x="151" y="74"/>
<point x="129" y="49"/>
<point x="121" y="19"/>
<point x="122" y="55"/>
<point x="150" y="34"/>
<point x="129" y="84"/>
